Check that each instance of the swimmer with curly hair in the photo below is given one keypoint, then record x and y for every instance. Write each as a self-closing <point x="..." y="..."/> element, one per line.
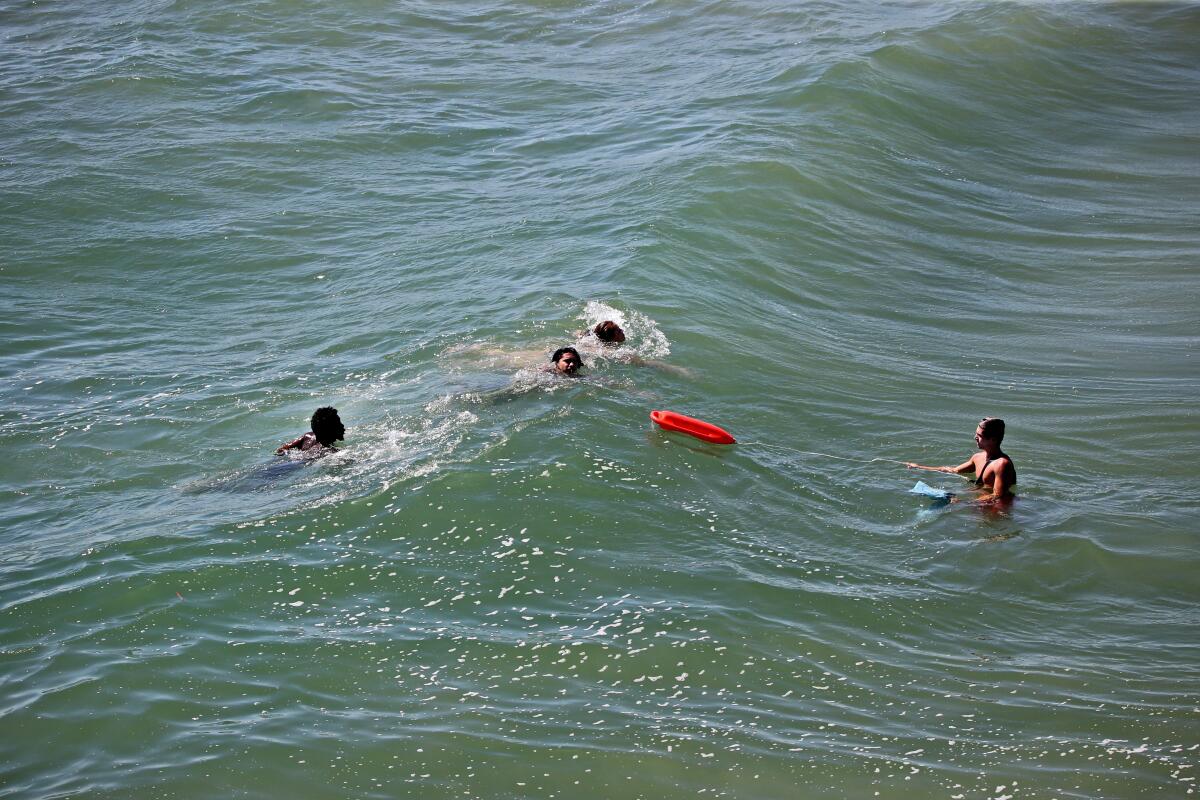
<point x="327" y="428"/>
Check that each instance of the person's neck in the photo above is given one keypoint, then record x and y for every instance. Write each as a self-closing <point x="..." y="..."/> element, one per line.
<point x="991" y="452"/>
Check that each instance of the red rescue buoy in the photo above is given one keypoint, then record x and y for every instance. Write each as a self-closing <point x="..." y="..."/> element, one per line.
<point x="670" y="421"/>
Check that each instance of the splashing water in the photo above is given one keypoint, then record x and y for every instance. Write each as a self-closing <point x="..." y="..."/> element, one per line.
<point x="643" y="339"/>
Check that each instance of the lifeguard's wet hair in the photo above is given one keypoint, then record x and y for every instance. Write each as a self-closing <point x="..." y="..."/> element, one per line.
<point x="609" y="331"/>
<point x="562" y="351"/>
<point x="992" y="428"/>
<point x="327" y="425"/>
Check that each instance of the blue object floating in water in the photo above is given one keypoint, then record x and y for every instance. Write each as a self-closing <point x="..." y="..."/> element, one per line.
<point x="925" y="489"/>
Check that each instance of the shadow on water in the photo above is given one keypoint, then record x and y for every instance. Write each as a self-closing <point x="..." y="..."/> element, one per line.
<point x="1003" y="536"/>
<point x="661" y="439"/>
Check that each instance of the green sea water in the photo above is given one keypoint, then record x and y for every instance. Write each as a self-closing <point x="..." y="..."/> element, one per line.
<point x="843" y="231"/>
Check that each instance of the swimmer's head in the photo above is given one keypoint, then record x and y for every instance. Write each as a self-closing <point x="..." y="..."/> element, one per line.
<point x="566" y="359"/>
<point x="327" y="425"/>
<point x="990" y="428"/>
<point x="609" y="332"/>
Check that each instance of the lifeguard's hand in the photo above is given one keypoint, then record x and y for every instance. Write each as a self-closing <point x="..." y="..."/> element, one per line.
<point x="915" y="465"/>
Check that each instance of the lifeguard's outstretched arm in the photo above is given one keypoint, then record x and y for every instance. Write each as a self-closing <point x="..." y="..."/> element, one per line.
<point x="961" y="469"/>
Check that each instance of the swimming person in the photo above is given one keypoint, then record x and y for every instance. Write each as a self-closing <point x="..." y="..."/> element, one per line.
<point x="565" y="361"/>
<point x="994" y="470"/>
<point x="609" y="332"/>
<point x="611" y="336"/>
<point x="327" y="428"/>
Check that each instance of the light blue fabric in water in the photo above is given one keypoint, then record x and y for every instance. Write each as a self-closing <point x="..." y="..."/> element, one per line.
<point x="925" y="489"/>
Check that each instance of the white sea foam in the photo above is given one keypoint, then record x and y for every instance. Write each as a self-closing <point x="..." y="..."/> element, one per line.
<point x="643" y="338"/>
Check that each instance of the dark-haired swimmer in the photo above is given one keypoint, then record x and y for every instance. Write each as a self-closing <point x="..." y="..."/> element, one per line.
<point x="610" y="335"/>
<point x="994" y="470"/>
<point x="606" y="332"/>
<point x="327" y="428"/>
<point x="565" y="361"/>
<point x="609" y="332"/>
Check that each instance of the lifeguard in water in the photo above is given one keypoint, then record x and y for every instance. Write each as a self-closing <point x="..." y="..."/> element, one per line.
<point x="994" y="470"/>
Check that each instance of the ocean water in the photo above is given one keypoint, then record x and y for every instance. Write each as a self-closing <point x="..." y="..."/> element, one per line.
<point x="843" y="231"/>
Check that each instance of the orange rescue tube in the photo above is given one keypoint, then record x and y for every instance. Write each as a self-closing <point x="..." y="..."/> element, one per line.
<point x="670" y="421"/>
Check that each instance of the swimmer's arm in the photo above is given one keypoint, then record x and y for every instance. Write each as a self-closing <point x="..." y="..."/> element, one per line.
<point x="298" y="444"/>
<point x="682" y="372"/>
